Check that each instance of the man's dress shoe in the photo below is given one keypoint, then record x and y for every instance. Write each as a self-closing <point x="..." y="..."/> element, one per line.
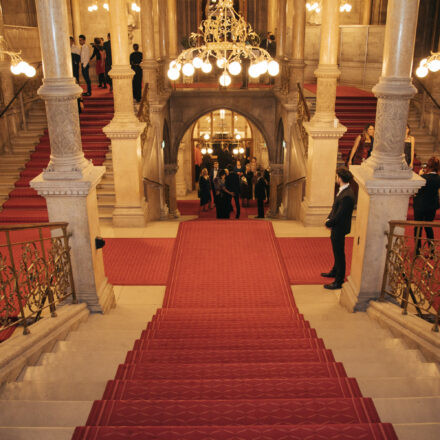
<point x="333" y="286"/>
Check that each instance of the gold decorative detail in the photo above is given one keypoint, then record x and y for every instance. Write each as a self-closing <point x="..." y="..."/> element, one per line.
<point x="413" y="278"/>
<point x="35" y="273"/>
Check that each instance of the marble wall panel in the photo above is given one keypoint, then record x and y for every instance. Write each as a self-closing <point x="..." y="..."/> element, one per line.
<point x="376" y="38"/>
<point x="19" y="12"/>
<point x="353" y="43"/>
<point x="26" y="39"/>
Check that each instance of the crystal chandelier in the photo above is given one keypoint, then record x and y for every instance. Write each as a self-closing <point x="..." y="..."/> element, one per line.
<point x="17" y="64"/>
<point x="226" y="37"/>
<point x="316" y="6"/>
<point x="431" y="63"/>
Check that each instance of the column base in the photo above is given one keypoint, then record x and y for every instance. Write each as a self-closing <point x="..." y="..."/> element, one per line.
<point x="313" y="215"/>
<point x="350" y="297"/>
<point x="174" y="214"/>
<point x="130" y="216"/>
<point x="164" y="213"/>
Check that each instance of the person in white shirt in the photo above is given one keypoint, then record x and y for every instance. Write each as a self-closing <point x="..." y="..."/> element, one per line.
<point x="85" y="60"/>
<point x="76" y="58"/>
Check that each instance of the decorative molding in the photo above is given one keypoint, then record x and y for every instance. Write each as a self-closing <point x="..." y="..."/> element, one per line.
<point x="171" y="169"/>
<point x="318" y="130"/>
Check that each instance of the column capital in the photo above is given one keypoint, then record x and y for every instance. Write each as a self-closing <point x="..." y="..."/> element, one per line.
<point x="322" y="131"/>
<point x="121" y="72"/>
<point x="330" y="71"/>
<point x="276" y="169"/>
<point x="394" y="88"/>
<point x="171" y="168"/>
<point x="124" y="128"/>
<point x="59" y="89"/>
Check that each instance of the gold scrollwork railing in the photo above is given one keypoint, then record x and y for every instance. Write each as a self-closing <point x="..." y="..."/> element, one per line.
<point x="35" y="273"/>
<point x="412" y="269"/>
<point x="303" y="115"/>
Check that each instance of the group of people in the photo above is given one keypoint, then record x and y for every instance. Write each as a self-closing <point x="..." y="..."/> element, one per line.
<point x="364" y="143"/>
<point x="102" y="52"/>
<point x="219" y="186"/>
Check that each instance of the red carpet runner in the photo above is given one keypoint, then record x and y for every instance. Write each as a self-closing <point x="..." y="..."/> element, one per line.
<point x="229" y="356"/>
<point x="24" y="204"/>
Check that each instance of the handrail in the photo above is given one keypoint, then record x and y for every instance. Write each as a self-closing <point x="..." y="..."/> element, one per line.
<point x="18" y="93"/>
<point x="36" y="273"/>
<point x="153" y="181"/>
<point x="427" y="92"/>
<point x="410" y="270"/>
<point x="296" y="180"/>
<point x="303" y="100"/>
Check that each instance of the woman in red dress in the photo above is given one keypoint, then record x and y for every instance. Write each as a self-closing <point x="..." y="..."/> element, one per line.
<point x="99" y="53"/>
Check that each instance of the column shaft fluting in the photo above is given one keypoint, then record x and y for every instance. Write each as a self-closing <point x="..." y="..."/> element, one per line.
<point x="60" y="92"/>
<point x="395" y="88"/>
<point x="328" y="72"/>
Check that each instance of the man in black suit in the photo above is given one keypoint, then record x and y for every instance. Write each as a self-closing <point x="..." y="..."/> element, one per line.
<point x="212" y="176"/>
<point x="233" y="185"/>
<point x="108" y="61"/>
<point x="260" y="194"/>
<point x="339" y="221"/>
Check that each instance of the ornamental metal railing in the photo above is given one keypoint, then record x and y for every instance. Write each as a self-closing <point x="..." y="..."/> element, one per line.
<point x="35" y="273"/>
<point x="412" y="273"/>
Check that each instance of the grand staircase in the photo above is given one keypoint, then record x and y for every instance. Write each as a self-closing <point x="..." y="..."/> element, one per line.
<point x="20" y="203"/>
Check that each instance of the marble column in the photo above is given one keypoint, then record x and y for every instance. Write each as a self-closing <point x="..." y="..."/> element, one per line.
<point x="276" y="178"/>
<point x="76" y="20"/>
<point x="11" y="119"/>
<point x="125" y="129"/>
<point x="69" y="182"/>
<point x="149" y="63"/>
<point x="181" y="189"/>
<point x="163" y="25"/>
<point x="173" y="45"/>
<point x="299" y="34"/>
<point x="366" y="12"/>
<point x="324" y="129"/>
<point x="170" y="180"/>
<point x="385" y="181"/>
<point x="272" y="16"/>
<point x="281" y="30"/>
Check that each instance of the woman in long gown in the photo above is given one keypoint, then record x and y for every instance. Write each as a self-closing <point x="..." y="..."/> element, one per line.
<point x="222" y="204"/>
<point x="363" y="146"/>
<point x="204" y="190"/>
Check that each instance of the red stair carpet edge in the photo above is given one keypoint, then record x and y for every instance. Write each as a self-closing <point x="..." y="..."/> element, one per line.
<point x="342" y="91"/>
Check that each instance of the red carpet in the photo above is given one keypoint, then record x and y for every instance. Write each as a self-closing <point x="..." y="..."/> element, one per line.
<point x="306" y="258"/>
<point x="138" y="261"/>
<point x="342" y="91"/>
<point x="229" y="356"/>
<point x="24" y="205"/>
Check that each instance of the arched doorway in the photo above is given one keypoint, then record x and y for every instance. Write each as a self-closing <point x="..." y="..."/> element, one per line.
<point x="212" y="134"/>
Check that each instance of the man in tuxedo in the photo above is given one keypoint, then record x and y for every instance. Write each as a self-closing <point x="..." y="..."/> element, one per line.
<point x="233" y="185"/>
<point x="212" y="176"/>
<point x="339" y="221"/>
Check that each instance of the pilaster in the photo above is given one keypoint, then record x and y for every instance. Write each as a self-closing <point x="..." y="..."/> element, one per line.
<point x="170" y="179"/>
<point x="276" y="178"/>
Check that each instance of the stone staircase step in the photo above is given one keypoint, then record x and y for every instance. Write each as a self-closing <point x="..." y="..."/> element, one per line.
<point x="393" y="387"/>
<point x="422" y="431"/>
<point x="34" y="433"/>
<point x="23" y="413"/>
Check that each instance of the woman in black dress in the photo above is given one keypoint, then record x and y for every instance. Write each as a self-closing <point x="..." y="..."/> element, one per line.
<point x="409" y="147"/>
<point x="204" y="190"/>
<point x="426" y="201"/>
<point x="223" y="195"/>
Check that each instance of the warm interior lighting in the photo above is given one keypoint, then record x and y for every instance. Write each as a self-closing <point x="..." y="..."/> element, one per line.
<point x="18" y="66"/>
<point x="316" y="6"/>
<point x="226" y="37"/>
<point x="431" y="63"/>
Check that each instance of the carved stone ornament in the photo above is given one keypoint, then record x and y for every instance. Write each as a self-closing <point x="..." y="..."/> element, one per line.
<point x="121" y="72"/>
<point x="171" y="169"/>
<point x="319" y="131"/>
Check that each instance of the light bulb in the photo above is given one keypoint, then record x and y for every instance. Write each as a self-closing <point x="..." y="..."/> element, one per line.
<point x="15" y="69"/>
<point x="175" y="65"/>
<point x="188" y="69"/>
<point x="422" y="71"/>
<point x="423" y="62"/>
<point x="254" y="71"/>
<point x="105" y="6"/>
<point x="203" y="150"/>
<point x="30" y="71"/>
<point x="262" y="67"/>
<point x="241" y="150"/>
<point x="234" y="68"/>
<point x="225" y="80"/>
<point x="273" y="68"/>
<point x="22" y="66"/>
<point x="238" y="137"/>
<point x="221" y="62"/>
<point x="173" y="74"/>
<point x="348" y="7"/>
<point x="235" y="151"/>
<point x="197" y="62"/>
<point x="206" y="67"/>
<point x="434" y="65"/>
<point x="206" y="136"/>
<point x="210" y="150"/>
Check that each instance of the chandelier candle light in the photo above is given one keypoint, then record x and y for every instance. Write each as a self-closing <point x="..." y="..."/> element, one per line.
<point x="316" y="6"/>
<point x="226" y="37"/>
<point x="429" y="64"/>
<point x="17" y="64"/>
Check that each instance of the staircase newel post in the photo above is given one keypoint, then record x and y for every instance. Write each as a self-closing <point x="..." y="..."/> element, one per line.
<point x="385" y="181"/>
<point x="69" y="182"/>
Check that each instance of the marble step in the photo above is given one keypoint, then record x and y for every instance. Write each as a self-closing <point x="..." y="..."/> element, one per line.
<point x="394" y="387"/>
<point x="21" y="413"/>
<point x="36" y="433"/>
<point x="422" y="431"/>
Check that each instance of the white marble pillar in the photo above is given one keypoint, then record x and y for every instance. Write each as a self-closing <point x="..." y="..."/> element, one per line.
<point x="125" y="129"/>
<point x="173" y="45"/>
<point x="297" y="64"/>
<point x="181" y="189"/>
<point x="281" y="30"/>
<point x="170" y="179"/>
<point x="163" y="32"/>
<point x="272" y="16"/>
<point x="76" y="19"/>
<point x="324" y="129"/>
<point x="69" y="182"/>
<point x="385" y="181"/>
<point x="149" y="63"/>
<point x="366" y="12"/>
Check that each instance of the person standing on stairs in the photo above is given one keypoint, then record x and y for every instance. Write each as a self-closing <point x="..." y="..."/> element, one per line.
<point x="260" y="194"/>
<point x="426" y="201"/>
<point x="99" y="54"/>
<point x="135" y="63"/>
<point x="363" y="145"/>
<point x="233" y="185"/>
<point x="409" y="147"/>
<point x="339" y="221"/>
<point x="76" y="58"/>
<point x="108" y="61"/>
<point x="85" y="63"/>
